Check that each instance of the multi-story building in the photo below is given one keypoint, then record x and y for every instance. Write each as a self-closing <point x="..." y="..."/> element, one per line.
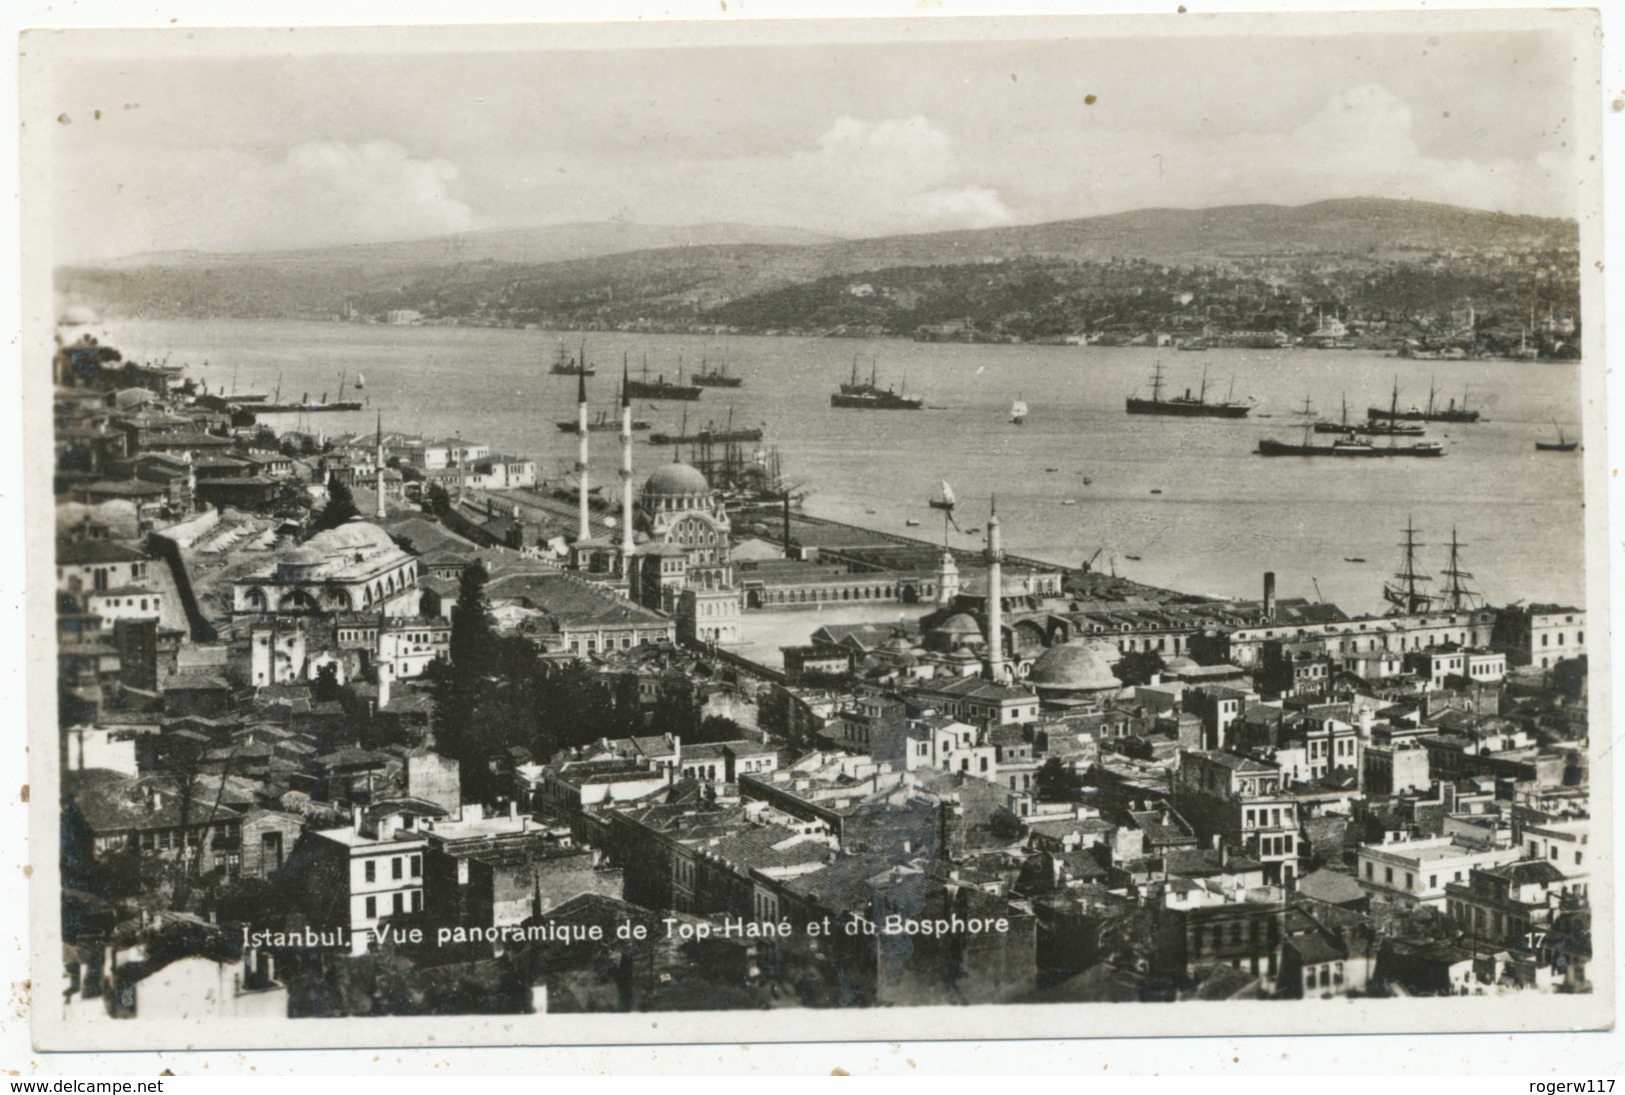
<point x="1417" y="871"/>
<point x="981" y="703"/>
<point x="1241" y="801"/>
<point x="362" y="874"/>
<point x="1541" y="635"/>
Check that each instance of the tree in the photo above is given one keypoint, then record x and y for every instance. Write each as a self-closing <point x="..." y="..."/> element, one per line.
<point x="1055" y="782"/>
<point x="1139" y="667"/>
<point x="340" y="506"/>
<point x="462" y="688"/>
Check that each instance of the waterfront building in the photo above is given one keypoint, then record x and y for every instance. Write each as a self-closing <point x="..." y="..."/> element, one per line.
<point x="1540" y="635"/>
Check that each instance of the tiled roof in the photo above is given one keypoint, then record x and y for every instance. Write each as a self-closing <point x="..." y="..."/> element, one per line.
<point x="90" y="552"/>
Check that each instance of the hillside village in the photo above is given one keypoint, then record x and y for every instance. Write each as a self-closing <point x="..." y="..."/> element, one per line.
<point x="387" y="725"/>
<point x="1403" y="277"/>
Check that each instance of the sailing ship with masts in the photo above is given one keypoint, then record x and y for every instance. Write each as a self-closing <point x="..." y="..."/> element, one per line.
<point x="869" y="396"/>
<point x="603" y="423"/>
<point x="276" y="406"/>
<point x="565" y="365"/>
<point x="1406" y="594"/>
<point x="660" y="387"/>
<point x="707" y="433"/>
<point x="1562" y="444"/>
<point x="1347" y="445"/>
<point x="1430" y="413"/>
<point x="1187" y="405"/>
<point x="719" y="377"/>
<point x="1386" y="428"/>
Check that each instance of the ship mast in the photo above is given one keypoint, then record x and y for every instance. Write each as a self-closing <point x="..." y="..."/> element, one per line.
<point x="1156" y="383"/>
<point x="1407" y="597"/>
<point x="1457" y="592"/>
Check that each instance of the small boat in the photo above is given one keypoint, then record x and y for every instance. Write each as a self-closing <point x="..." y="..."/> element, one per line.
<point x="1353" y="558"/>
<point x="1018" y="412"/>
<point x="1052" y="469"/>
<point x="869" y="512"/>
<point x="1156" y="490"/>
<point x="1069" y="501"/>
<point x="1132" y="558"/>
<point x="360" y="381"/>
<point x="911" y="523"/>
<point x="1562" y="444"/>
<point x="1087" y="480"/>
<point x="946" y="501"/>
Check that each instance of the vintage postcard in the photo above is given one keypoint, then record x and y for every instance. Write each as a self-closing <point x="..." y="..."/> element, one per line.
<point x="904" y="528"/>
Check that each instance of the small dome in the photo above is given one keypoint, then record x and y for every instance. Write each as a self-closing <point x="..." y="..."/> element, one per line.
<point x="1073" y="667"/>
<point x="354" y="535"/>
<point x="675" y="480"/>
<point x="959" y="623"/>
<point x="1179" y="663"/>
<point x="303" y="557"/>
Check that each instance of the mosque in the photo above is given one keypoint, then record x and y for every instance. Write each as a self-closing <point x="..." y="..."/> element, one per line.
<point x="1023" y="635"/>
<point x="674" y="551"/>
<point x="353" y="568"/>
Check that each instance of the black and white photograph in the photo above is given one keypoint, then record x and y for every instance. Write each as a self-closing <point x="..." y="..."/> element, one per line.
<point x="1062" y="525"/>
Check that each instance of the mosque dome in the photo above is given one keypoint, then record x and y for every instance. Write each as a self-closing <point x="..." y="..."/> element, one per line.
<point x="355" y="535"/>
<point x="300" y="563"/>
<point x="1073" y="667"/>
<point x="959" y="623"/>
<point x="675" y="480"/>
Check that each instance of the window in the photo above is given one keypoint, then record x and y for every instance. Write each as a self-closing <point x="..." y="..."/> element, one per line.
<point x="372" y="908"/>
<point x="1554" y="852"/>
<point x="1410" y="881"/>
<point x="417" y="900"/>
<point x="369" y="871"/>
<point x="395" y="867"/>
<point x="417" y="866"/>
<point x="1433" y="881"/>
<point x="1388" y="875"/>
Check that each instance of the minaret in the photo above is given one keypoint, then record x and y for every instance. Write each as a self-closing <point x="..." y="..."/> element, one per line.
<point x="581" y="443"/>
<point x="379" y="482"/>
<point x="995" y="605"/>
<point x="626" y="473"/>
<point x="947" y="580"/>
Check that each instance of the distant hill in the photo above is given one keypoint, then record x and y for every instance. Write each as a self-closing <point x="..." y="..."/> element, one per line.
<point x="613" y="273"/>
<point x="525" y="246"/>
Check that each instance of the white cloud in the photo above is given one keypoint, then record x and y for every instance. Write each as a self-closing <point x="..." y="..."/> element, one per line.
<point x="964" y="207"/>
<point x="308" y="195"/>
<point x="909" y="136"/>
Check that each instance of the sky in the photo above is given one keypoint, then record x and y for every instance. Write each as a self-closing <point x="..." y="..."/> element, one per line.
<point x="253" y="152"/>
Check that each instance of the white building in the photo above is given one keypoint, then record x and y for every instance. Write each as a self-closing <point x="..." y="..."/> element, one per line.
<point x="1419" y="870"/>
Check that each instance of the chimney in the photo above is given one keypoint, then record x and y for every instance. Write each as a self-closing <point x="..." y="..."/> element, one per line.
<point x="513" y="809"/>
<point x="1269" y="595"/>
<point x="356" y="815"/>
